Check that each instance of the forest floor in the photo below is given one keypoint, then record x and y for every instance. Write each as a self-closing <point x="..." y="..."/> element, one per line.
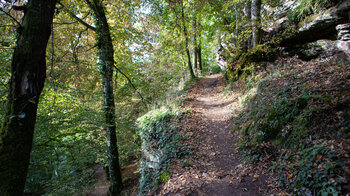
<point x="214" y="166"/>
<point x="130" y="177"/>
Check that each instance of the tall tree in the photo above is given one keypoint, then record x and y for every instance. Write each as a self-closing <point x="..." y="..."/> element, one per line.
<point x="28" y="73"/>
<point x="195" y="48"/>
<point x="186" y="40"/>
<point x="199" y="46"/>
<point x="199" y="55"/>
<point x="248" y="16"/>
<point x="256" y="22"/>
<point x="106" y="63"/>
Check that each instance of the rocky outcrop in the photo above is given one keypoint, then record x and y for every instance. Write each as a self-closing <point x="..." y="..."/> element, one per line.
<point x="337" y="50"/>
<point x="221" y="59"/>
<point x="318" y="26"/>
<point x="329" y="50"/>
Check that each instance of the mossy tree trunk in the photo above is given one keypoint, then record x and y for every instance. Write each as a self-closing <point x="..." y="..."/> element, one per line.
<point x="28" y="73"/>
<point x="186" y="42"/>
<point x="256" y="22"/>
<point x="106" y="65"/>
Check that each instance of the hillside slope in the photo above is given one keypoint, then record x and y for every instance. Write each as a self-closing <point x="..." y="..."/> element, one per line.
<point x="284" y="130"/>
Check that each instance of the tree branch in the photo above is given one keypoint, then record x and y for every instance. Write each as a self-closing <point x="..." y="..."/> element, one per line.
<point x="9" y="15"/>
<point x="81" y="21"/>
<point x="143" y="100"/>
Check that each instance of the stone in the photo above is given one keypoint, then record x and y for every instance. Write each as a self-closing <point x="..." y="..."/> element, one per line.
<point x="345" y="37"/>
<point x="343" y="27"/>
<point x="341" y="33"/>
<point x="221" y="59"/>
<point x="343" y="46"/>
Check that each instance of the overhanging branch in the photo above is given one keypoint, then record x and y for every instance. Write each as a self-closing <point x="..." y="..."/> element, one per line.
<point x="81" y="21"/>
<point x="9" y="15"/>
<point x="143" y="100"/>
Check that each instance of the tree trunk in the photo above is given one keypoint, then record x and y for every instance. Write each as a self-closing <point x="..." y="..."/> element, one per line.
<point x="199" y="46"/>
<point x="106" y="63"/>
<point x="199" y="54"/>
<point x="195" y="48"/>
<point x="248" y="17"/>
<point x="256" y="22"/>
<point x="28" y="73"/>
<point x="186" y="42"/>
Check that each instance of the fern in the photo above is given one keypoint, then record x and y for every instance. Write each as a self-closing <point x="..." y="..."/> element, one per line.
<point x="305" y="8"/>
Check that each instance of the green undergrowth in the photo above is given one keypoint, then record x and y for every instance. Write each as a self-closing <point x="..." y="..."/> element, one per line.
<point x="308" y="7"/>
<point x="296" y="126"/>
<point x="310" y="170"/>
<point x="159" y="134"/>
<point x="212" y="69"/>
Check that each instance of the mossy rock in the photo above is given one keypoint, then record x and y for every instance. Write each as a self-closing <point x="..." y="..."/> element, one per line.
<point x="245" y="62"/>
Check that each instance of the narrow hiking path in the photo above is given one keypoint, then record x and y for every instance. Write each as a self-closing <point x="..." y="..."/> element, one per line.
<point x="215" y="167"/>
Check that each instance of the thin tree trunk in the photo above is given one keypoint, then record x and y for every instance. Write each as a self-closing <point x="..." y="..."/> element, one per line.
<point x="248" y="17"/>
<point x="256" y="22"/>
<point x="199" y="54"/>
<point x="106" y="61"/>
<point x="186" y="42"/>
<point x="199" y="46"/>
<point x="195" y="48"/>
<point x="28" y="73"/>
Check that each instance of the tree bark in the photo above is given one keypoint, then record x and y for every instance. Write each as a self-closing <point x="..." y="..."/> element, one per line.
<point x="256" y="22"/>
<point x="248" y="16"/>
<point x="199" y="54"/>
<point x="106" y="64"/>
<point x="28" y="73"/>
<point x="186" y="42"/>
<point x="195" y="48"/>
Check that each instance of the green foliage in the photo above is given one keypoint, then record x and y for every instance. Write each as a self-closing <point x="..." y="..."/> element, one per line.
<point x="159" y="135"/>
<point x="280" y="114"/>
<point x="213" y="69"/>
<point x="283" y="122"/>
<point x="311" y="170"/>
<point x="305" y="8"/>
<point x="66" y="144"/>
<point x="164" y="177"/>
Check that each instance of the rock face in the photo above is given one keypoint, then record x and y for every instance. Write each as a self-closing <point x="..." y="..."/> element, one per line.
<point x="344" y="46"/>
<point x="329" y="50"/>
<point x="319" y="26"/>
<point x="221" y="59"/>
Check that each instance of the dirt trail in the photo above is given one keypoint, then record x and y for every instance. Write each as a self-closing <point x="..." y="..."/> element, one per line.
<point x="215" y="168"/>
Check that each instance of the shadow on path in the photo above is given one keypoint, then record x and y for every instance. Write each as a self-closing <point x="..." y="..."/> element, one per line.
<point x="215" y="167"/>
